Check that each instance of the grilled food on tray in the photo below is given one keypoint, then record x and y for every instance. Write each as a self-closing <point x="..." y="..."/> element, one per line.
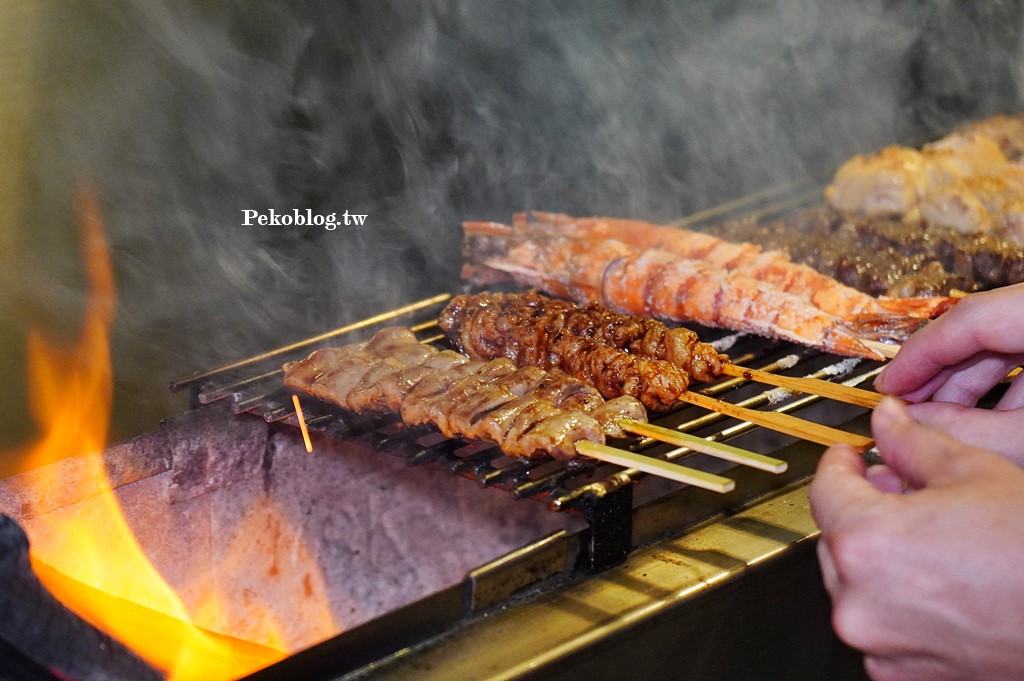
<point x="967" y="181"/>
<point x="526" y="411"/>
<point x="894" y="180"/>
<point x="988" y="204"/>
<point x="885" y="256"/>
<point x="661" y="284"/>
<point x="619" y="354"/>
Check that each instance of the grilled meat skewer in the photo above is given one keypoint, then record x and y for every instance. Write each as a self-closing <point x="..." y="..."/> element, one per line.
<point x="472" y="320"/>
<point x="484" y="330"/>
<point x="526" y="411"/>
<point x="589" y="343"/>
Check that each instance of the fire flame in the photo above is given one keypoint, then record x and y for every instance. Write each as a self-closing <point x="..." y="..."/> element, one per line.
<point x="71" y="394"/>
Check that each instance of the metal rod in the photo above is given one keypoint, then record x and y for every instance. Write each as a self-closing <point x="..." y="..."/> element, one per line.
<point x="370" y="321"/>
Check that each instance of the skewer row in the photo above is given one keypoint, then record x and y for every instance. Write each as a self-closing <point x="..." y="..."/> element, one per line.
<point x="783" y="423"/>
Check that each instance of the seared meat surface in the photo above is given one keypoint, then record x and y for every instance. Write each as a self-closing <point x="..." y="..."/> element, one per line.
<point x="891" y="257"/>
<point x="527" y="411"/>
<point x="619" y="354"/>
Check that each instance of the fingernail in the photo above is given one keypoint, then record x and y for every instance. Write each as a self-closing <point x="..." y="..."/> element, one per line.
<point x="880" y="378"/>
<point x="892" y="410"/>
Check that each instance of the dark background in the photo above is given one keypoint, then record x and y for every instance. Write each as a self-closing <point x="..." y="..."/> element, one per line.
<point x="419" y="115"/>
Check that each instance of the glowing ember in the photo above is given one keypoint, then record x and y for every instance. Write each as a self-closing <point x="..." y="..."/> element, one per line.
<point x="97" y="568"/>
<point x="302" y="423"/>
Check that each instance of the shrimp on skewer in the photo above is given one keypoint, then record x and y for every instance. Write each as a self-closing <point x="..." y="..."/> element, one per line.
<point x="656" y="283"/>
<point x="773" y="267"/>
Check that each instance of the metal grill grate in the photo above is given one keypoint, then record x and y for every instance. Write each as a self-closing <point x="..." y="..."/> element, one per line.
<point x="602" y="493"/>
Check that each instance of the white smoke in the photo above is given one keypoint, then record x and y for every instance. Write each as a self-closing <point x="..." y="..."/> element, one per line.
<point x="420" y="115"/>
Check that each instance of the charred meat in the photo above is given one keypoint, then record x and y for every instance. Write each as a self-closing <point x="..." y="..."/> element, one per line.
<point x="532" y="329"/>
<point x="527" y="411"/>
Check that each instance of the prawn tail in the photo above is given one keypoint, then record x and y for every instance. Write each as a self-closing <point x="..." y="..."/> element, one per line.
<point x="883" y="328"/>
<point x="924" y="307"/>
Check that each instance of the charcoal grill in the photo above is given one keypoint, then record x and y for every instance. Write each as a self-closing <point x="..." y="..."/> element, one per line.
<point x="602" y="494"/>
<point x="626" y="512"/>
<point x="651" y="546"/>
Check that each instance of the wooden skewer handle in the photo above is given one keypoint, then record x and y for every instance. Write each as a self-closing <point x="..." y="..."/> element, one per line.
<point x="698" y="444"/>
<point x="664" y="469"/>
<point x="812" y="386"/>
<point x="886" y="350"/>
<point x="784" y="423"/>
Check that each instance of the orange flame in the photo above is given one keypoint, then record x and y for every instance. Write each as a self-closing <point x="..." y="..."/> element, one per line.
<point x="102" y="573"/>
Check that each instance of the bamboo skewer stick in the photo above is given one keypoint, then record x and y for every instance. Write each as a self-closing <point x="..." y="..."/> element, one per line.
<point x="813" y="386"/>
<point x="699" y="444"/>
<point x="887" y="350"/>
<point x="784" y="423"/>
<point x="648" y="464"/>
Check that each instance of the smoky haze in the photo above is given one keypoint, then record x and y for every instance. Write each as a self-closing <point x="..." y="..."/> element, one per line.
<point x="420" y="115"/>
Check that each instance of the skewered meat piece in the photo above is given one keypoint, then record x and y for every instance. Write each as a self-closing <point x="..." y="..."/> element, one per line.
<point x="895" y="180"/>
<point x="487" y="331"/>
<point x="637" y="335"/>
<point x="884" y="183"/>
<point x="654" y="283"/>
<point x="418" y="401"/>
<point x="543" y="427"/>
<point x="982" y="203"/>
<point x="610" y="413"/>
<point x="773" y="267"/>
<point x="396" y="386"/>
<point x="435" y="408"/>
<point x="466" y="416"/>
<point x="526" y="411"/>
<point x="566" y="391"/>
<point x="656" y="383"/>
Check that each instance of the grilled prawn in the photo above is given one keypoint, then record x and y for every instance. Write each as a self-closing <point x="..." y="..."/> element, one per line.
<point x="652" y="282"/>
<point x="772" y="267"/>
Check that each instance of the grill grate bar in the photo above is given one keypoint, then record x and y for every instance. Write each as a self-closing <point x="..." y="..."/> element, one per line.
<point x="309" y="343"/>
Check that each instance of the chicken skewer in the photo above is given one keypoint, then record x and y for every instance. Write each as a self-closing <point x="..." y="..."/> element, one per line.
<point x="528" y="411"/>
<point x="475" y="315"/>
<point x="480" y="328"/>
<point x="651" y="283"/>
<point x="488" y="400"/>
<point x="483" y="330"/>
<point x="520" y="323"/>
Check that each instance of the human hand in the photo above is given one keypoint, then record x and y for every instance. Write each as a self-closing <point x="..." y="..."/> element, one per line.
<point x="956" y="360"/>
<point x="922" y="556"/>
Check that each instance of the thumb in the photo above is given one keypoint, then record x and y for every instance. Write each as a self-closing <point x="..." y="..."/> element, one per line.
<point x="920" y="455"/>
